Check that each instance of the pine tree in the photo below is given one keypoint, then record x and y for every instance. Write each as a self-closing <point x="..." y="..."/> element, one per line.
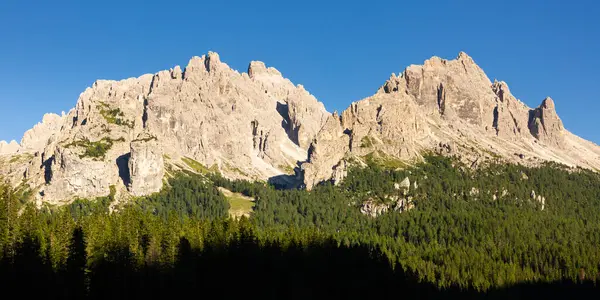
<point x="76" y="266"/>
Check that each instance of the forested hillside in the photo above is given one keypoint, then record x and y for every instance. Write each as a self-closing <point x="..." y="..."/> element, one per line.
<point x="497" y="231"/>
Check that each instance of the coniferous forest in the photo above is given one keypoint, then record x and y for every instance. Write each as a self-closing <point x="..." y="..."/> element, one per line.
<point x="472" y="233"/>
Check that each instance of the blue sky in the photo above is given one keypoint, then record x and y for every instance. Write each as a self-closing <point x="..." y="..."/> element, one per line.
<point x="50" y="51"/>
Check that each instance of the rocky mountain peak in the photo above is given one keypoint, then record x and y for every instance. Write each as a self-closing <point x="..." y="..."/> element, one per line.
<point x="455" y="88"/>
<point x="212" y="61"/>
<point x="545" y="125"/>
<point x="35" y="139"/>
<point x="548" y="103"/>
<point x="452" y="107"/>
<point x="463" y="56"/>
<point x="9" y="147"/>
<point x="501" y="89"/>
<point x="122" y="135"/>
<point x="252" y="126"/>
<point x="257" y="68"/>
<point x="198" y="65"/>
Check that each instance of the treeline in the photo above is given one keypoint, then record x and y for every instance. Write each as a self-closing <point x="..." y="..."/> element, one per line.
<point x="298" y="244"/>
<point x="135" y="254"/>
<point x="458" y="234"/>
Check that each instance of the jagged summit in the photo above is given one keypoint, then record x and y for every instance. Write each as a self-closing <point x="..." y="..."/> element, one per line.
<point x="257" y="68"/>
<point x="452" y="107"/>
<point x="9" y="147"/>
<point x="545" y="125"/>
<point x="258" y="125"/>
<point x="123" y="133"/>
<point x="548" y="103"/>
<point x="36" y="137"/>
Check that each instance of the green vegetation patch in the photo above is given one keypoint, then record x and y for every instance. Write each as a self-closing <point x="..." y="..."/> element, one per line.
<point x="384" y="160"/>
<point x="199" y="167"/>
<point x="367" y="142"/>
<point x="146" y="139"/>
<point x="20" y="158"/>
<point x="96" y="150"/>
<point x="492" y="154"/>
<point x="114" y="115"/>
<point x="237" y="170"/>
<point x="239" y="205"/>
<point x="287" y="169"/>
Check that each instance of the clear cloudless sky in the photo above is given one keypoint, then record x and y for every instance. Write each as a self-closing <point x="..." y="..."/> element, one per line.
<point x="341" y="51"/>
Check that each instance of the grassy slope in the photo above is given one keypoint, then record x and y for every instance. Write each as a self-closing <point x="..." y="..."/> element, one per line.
<point x="240" y="205"/>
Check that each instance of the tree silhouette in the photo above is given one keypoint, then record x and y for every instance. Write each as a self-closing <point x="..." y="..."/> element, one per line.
<point x="75" y="276"/>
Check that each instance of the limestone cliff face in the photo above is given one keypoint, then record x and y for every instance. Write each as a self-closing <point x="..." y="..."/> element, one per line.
<point x="454" y="89"/>
<point x="327" y="150"/>
<point x="303" y="114"/>
<point x="9" y="148"/>
<point x="510" y="116"/>
<point x="70" y="176"/>
<point x="35" y="139"/>
<point x="451" y="107"/>
<point x="255" y="125"/>
<point x="380" y="123"/>
<point x="545" y="125"/>
<point x="259" y="125"/>
<point x="145" y="166"/>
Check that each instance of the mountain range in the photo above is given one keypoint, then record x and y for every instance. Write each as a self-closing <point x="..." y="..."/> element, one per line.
<point x="124" y="137"/>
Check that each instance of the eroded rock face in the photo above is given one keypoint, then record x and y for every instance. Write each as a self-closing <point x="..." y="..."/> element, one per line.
<point x="510" y="115"/>
<point x="326" y="151"/>
<point x="72" y="175"/>
<point x="452" y="108"/>
<point x="9" y="148"/>
<point x="373" y="208"/>
<point x="545" y="125"/>
<point x="259" y="125"/>
<point x="146" y="166"/>
<point x="305" y="115"/>
<point x="36" y="138"/>
<point x="450" y="88"/>
<point x="241" y="123"/>
<point x="254" y="125"/>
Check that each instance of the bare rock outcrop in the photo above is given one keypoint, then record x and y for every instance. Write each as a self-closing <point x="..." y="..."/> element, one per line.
<point x="545" y="125"/>
<point x="539" y="198"/>
<point x="452" y="108"/>
<point x="146" y="166"/>
<point x="259" y="125"/>
<point x="451" y="88"/>
<point x="9" y="148"/>
<point x="510" y="118"/>
<point x="76" y="176"/>
<point x="255" y="125"/>
<point x="380" y="123"/>
<point x="35" y="139"/>
<point x="303" y="114"/>
<point x="404" y="204"/>
<point x="306" y="115"/>
<point x="326" y="152"/>
<point x="374" y="208"/>
<point x="238" y="122"/>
